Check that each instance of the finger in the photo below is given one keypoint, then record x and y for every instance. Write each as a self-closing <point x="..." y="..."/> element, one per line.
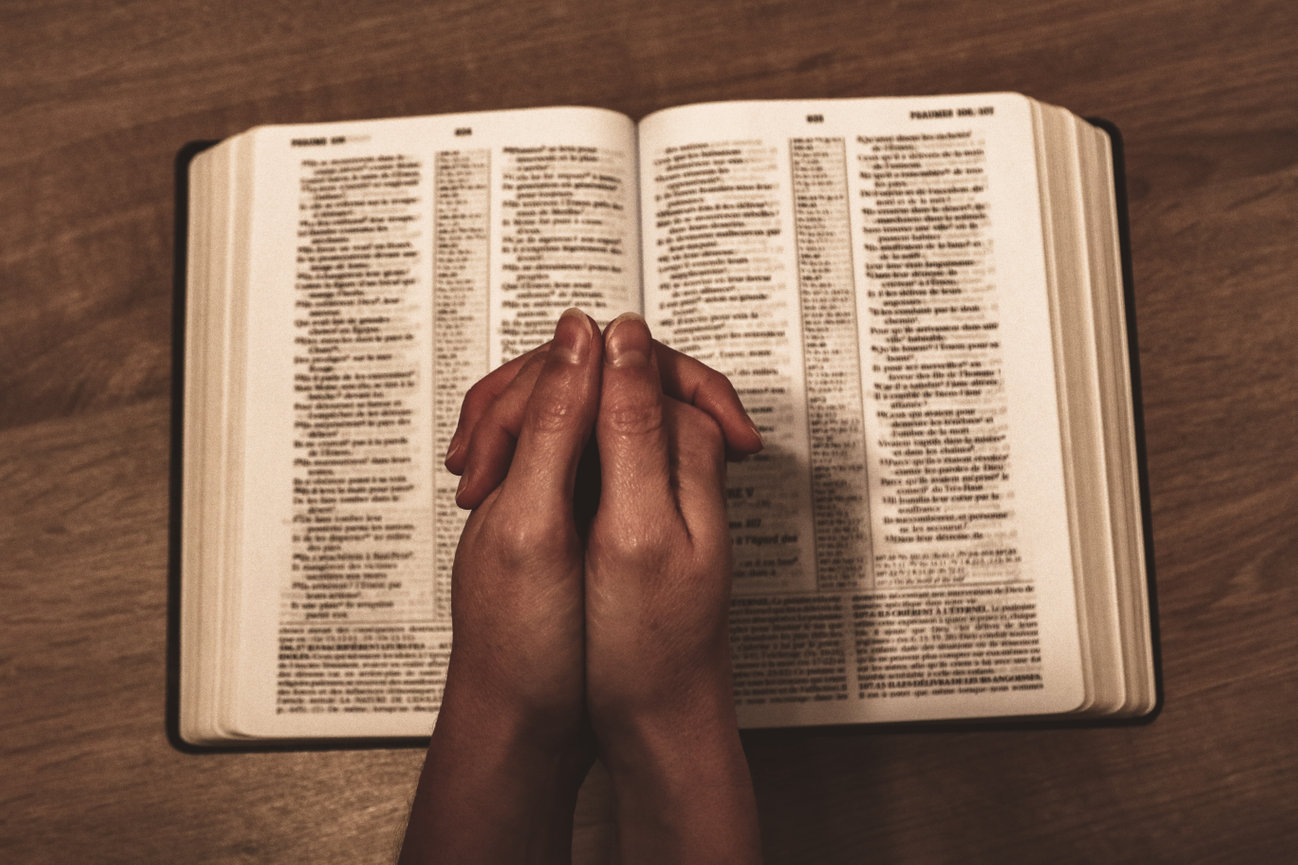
<point x="630" y="430"/>
<point x="683" y="378"/>
<point x="485" y="459"/>
<point x="476" y="402"/>
<point x="696" y="446"/>
<point x="698" y="384"/>
<point x="557" y="420"/>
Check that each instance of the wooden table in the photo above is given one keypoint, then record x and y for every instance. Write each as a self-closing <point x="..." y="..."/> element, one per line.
<point x="97" y="97"/>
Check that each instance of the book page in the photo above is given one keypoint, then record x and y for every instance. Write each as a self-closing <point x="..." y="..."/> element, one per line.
<point x="870" y="274"/>
<point x="394" y="263"/>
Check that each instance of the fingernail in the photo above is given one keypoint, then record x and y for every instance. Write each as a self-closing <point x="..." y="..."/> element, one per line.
<point x="571" y="335"/>
<point x="464" y="482"/>
<point x="626" y="344"/>
<point x="753" y="426"/>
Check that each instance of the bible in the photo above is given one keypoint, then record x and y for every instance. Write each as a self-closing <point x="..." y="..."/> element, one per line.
<point x="921" y="302"/>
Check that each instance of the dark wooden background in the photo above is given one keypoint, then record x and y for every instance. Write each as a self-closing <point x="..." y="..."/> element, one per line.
<point x="95" y="99"/>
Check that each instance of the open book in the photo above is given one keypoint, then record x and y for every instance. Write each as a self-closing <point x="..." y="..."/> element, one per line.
<point x="920" y="301"/>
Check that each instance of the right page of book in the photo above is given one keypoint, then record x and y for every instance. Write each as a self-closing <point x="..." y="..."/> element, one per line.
<point x="871" y="275"/>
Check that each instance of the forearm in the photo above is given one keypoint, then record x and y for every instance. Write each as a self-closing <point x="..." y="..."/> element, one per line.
<point x="490" y="792"/>
<point x="657" y="591"/>
<point x="683" y="789"/>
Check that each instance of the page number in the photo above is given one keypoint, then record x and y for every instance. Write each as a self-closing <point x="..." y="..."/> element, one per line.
<point x="815" y="118"/>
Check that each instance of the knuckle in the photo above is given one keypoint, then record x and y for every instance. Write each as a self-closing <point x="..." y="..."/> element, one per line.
<point x="642" y="547"/>
<point x="716" y="381"/>
<point x="476" y="400"/>
<point x="492" y="441"/>
<point x="551" y="417"/>
<point x="702" y="431"/>
<point x="634" y="418"/>
<point x="521" y="542"/>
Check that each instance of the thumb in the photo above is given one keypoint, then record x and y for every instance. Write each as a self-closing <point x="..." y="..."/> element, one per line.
<point x="631" y="427"/>
<point x="558" y="419"/>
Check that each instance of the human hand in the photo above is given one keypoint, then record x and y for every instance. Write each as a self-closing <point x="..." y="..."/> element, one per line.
<point x="655" y="585"/>
<point x="490" y="417"/>
<point x="511" y="744"/>
<point x="658" y="674"/>
<point x="517" y="584"/>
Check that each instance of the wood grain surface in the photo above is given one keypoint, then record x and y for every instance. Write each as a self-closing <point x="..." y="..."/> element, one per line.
<point x="95" y="99"/>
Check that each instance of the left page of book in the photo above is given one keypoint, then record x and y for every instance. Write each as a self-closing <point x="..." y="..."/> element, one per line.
<point x="393" y="263"/>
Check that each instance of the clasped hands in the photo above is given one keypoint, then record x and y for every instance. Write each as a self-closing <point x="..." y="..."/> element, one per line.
<point x="573" y="636"/>
<point x="625" y="616"/>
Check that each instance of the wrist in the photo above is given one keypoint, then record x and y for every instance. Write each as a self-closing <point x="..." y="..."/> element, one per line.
<point x="480" y="723"/>
<point x="492" y="692"/>
<point x="682" y="788"/>
<point x="492" y="789"/>
<point x="671" y="746"/>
